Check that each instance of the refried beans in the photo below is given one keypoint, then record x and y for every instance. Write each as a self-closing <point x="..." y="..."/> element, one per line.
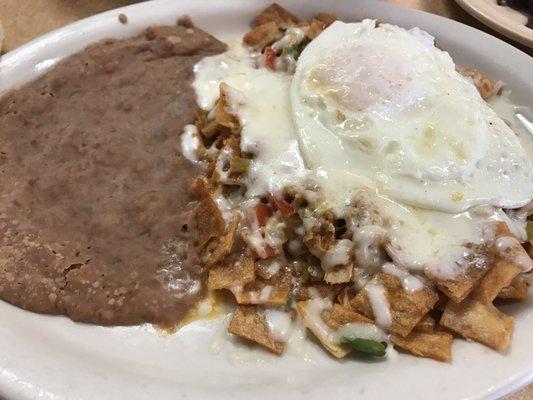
<point x="94" y="218"/>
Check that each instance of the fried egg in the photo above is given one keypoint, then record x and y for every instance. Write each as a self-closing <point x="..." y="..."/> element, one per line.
<point x="383" y="103"/>
<point x="378" y="113"/>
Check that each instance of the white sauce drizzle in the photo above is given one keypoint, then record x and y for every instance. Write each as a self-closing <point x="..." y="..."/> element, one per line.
<point x="317" y="306"/>
<point x="278" y="324"/>
<point x="409" y="282"/>
<point x="190" y="143"/>
<point x="260" y="98"/>
<point x="337" y="255"/>
<point x="380" y="305"/>
<point x="367" y="240"/>
<point x="511" y="248"/>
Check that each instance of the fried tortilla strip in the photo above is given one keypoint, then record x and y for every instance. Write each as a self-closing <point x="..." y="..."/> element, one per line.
<point x="427" y="325"/>
<point x="249" y="322"/>
<point x="320" y="289"/>
<point x="406" y="308"/>
<point x="209" y="219"/>
<point x="320" y="238"/>
<point x="224" y="245"/>
<point x="503" y="270"/>
<point x="517" y="290"/>
<point x="276" y="14"/>
<point x="436" y="345"/>
<point x="486" y="87"/>
<point x="326" y="18"/>
<point x="483" y="323"/>
<point x="339" y="316"/>
<point x="273" y="292"/>
<point x="459" y="288"/>
<point x="317" y="328"/>
<point x="345" y="297"/>
<point x="222" y="116"/>
<point x="263" y="35"/>
<point x="500" y="276"/>
<point x="340" y="274"/>
<point x="318" y="23"/>
<point x="236" y="269"/>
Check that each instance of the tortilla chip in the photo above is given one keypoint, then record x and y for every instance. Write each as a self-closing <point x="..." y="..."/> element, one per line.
<point x="346" y="296"/>
<point x="337" y="350"/>
<point x="462" y="285"/>
<point x="326" y="18"/>
<point x="318" y="23"/>
<point x="320" y="238"/>
<point x="209" y="219"/>
<point x="340" y="274"/>
<point x="320" y="289"/>
<point x="427" y="325"/>
<point x="500" y="276"/>
<point x="263" y="36"/>
<point x="503" y="271"/>
<point x="483" y="323"/>
<point x="459" y="288"/>
<point x="249" y="323"/>
<point x="276" y="14"/>
<point x="339" y="316"/>
<point x="517" y="290"/>
<point x="436" y="345"/>
<point x="222" y="116"/>
<point x="224" y="245"/>
<point x="406" y="308"/>
<point x="236" y="269"/>
<point x="274" y="292"/>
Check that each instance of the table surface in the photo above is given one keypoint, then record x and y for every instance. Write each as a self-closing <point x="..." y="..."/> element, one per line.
<point x="26" y="19"/>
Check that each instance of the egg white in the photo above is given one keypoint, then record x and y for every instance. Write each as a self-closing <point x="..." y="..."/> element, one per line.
<point x="385" y="103"/>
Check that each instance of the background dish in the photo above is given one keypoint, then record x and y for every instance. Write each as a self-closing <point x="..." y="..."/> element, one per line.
<point x="51" y="357"/>
<point x="505" y="20"/>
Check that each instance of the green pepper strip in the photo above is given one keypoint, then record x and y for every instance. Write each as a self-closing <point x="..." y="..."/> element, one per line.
<point x="366" y="346"/>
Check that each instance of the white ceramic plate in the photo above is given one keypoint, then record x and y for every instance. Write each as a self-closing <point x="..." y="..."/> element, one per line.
<point x="53" y="358"/>
<point x="506" y="20"/>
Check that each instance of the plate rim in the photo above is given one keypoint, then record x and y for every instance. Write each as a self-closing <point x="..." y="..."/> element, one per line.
<point x="519" y="381"/>
<point x="518" y="34"/>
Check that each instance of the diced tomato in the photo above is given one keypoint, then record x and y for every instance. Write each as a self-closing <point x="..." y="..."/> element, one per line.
<point x="284" y="208"/>
<point x="270" y="58"/>
<point x="263" y="213"/>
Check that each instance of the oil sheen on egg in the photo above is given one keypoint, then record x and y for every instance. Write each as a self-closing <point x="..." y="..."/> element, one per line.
<point x="385" y="104"/>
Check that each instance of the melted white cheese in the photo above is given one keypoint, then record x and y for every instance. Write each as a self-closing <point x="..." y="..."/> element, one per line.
<point x="260" y="98"/>
<point x="409" y="282"/>
<point x="418" y="239"/>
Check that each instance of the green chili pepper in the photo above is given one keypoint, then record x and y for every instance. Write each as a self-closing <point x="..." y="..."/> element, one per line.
<point x="529" y="230"/>
<point x="295" y="50"/>
<point x="366" y="346"/>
